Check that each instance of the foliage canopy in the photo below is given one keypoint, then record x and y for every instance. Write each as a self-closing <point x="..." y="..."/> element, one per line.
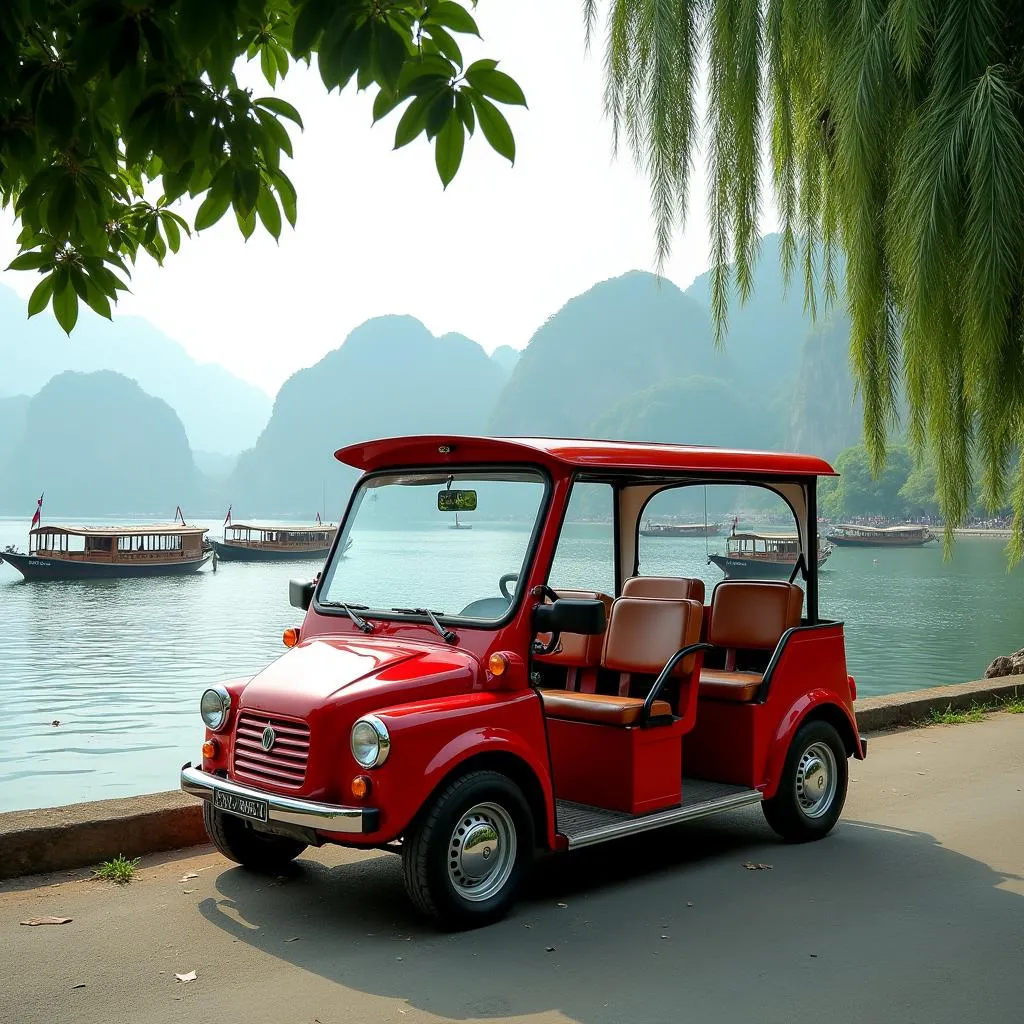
<point x="893" y="131"/>
<point x="110" y="110"/>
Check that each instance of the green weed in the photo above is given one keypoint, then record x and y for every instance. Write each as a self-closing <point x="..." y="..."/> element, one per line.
<point x="120" y="870"/>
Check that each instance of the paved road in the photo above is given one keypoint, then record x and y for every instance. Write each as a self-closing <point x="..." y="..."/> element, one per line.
<point x="911" y="911"/>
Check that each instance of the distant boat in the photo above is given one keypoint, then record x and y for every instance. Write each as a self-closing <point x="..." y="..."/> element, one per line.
<point x="754" y="556"/>
<point x="276" y="542"/>
<point x="60" y="552"/>
<point x="652" y="529"/>
<point x="852" y="535"/>
<point x="459" y="526"/>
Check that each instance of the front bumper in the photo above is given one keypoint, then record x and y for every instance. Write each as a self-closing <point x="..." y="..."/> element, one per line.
<point x="289" y="811"/>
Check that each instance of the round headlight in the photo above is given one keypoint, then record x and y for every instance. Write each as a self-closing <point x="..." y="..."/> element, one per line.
<point x="370" y="742"/>
<point x="214" y="706"/>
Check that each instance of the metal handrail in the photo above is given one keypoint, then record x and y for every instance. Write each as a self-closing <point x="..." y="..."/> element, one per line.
<point x="665" y="674"/>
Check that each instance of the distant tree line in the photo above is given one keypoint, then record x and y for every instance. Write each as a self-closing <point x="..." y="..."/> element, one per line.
<point x="904" y="490"/>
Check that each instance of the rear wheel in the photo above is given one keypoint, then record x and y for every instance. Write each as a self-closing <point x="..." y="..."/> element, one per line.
<point x="464" y="861"/>
<point x="812" y="791"/>
<point x="245" y="845"/>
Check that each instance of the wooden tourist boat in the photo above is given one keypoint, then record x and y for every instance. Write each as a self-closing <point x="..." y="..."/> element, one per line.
<point x="60" y="552"/>
<point x="652" y="529"/>
<point x="853" y="535"/>
<point x="274" y="542"/>
<point x="753" y="556"/>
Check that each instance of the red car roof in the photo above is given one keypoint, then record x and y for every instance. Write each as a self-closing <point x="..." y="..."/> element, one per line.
<point x="441" y="449"/>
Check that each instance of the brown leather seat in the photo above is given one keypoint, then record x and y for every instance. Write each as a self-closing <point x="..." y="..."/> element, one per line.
<point x="674" y="588"/>
<point x="642" y="634"/>
<point x="599" y="708"/>
<point x="574" y="649"/>
<point x="747" y="616"/>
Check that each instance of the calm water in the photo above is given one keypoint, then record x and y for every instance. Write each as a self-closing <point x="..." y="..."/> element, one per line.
<point x="121" y="664"/>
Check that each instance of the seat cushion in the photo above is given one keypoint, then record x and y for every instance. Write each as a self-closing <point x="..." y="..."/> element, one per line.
<point x="740" y="687"/>
<point x="752" y="616"/>
<point x="672" y="588"/>
<point x="644" y="632"/>
<point x="598" y="708"/>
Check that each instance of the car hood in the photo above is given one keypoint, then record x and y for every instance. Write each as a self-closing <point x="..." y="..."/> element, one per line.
<point x="371" y="673"/>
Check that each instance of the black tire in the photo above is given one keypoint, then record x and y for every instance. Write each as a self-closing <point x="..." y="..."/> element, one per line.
<point x="239" y="841"/>
<point x="801" y="809"/>
<point x="438" y="872"/>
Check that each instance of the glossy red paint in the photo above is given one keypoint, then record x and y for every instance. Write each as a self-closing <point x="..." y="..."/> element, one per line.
<point x="568" y="453"/>
<point x="445" y="711"/>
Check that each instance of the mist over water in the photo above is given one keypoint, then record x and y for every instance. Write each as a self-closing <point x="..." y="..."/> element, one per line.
<point x="121" y="663"/>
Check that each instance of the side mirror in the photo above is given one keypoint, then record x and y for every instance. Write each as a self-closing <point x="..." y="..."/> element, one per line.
<point x="570" y="615"/>
<point x="300" y="594"/>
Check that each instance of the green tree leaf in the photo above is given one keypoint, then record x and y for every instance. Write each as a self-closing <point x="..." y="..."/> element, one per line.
<point x="65" y="307"/>
<point x="30" y="261"/>
<point x="451" y="141"/>
<point x="497" y="85"/>
<point x="278" y="106"/>
<point x="494" y="126"/>
<point x="212" y="208"/>
<point x="270" y="215"/>
<point x="413" y="120"/>
<point x="41" y="295"/>
<point x="453" y="16"/>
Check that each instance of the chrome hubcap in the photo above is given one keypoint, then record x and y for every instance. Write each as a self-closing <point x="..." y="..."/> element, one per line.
<point x="482" y="851"/>
<point x="816" y="780"/>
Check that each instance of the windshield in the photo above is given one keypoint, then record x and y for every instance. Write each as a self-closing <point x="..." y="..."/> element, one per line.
<point x="399" y="551"/>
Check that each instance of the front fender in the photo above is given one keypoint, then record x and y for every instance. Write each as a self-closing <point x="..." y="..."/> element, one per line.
<point x="810" y="704"/>
<point x="430" y="739"/>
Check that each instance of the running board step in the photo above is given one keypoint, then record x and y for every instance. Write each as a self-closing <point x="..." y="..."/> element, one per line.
<point x="586" y="826"/>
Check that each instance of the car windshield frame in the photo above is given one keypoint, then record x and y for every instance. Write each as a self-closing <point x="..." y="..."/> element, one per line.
<point x="454" y="470"/>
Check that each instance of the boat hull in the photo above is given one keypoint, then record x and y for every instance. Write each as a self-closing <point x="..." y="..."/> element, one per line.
<point x="879" y="542"/>
<point x="241" y="553"/>
<point x="34" y="567"/>
<point x="681" y="531"/>
<point x="755" y="568"/>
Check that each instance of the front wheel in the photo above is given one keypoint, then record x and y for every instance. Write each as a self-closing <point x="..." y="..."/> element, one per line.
<point x="464" y="861"/>
<point x="812" y="790"/>
<point x="239" y="841"/>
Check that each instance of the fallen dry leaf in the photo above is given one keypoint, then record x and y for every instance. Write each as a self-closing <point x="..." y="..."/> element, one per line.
<point x="185" y="878"/>
<point x="191" y="976"/>
<point x="187" y="891"/>
<point x="550" y="949"/>
<point x="79" y="985"/>
<point x="294" y="938"/>
<point x="562" y="905"/>
<point x="751" y="866"/>
<point x="33" y="921"/>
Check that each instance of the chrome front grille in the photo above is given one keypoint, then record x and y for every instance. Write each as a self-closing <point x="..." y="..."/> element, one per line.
<point x="284" y="764"/>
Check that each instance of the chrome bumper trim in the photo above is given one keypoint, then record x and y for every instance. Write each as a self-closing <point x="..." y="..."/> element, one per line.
<point x="288" y="810"/>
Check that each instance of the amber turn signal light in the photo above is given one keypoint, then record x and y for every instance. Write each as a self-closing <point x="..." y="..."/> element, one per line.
<point x="290" y="636"/>
<point x="361" y="787"/>
<point x="209" y="750"/>
<point x="496" y="664"/>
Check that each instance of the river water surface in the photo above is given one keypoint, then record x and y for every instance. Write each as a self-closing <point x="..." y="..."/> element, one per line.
<point x="120" y="664"/>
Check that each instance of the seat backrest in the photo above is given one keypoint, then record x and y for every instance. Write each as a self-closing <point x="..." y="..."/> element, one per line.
<point x="674" y="588"/>
<point x="644" y="632"/>
<point x="574" y="649"/>
<point x="753" y="615"/>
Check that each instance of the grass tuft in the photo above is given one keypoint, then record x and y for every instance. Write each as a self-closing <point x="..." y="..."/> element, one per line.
<point x="1015" y="706"/>
<point x="120" y="870"/>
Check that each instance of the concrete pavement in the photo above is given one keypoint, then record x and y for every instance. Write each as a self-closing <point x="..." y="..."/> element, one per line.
<point x="913" y="910"/>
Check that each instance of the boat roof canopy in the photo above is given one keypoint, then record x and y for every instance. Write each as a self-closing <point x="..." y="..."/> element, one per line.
<point x="285" y="527"/>
<point x="139" y="530"/>
<point x="439" y="449"/>
<point x="764" y="536"/>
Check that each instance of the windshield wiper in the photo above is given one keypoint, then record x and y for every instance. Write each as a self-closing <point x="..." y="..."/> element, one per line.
<point x="359" y="622"/>
<point x="445" y="634"/>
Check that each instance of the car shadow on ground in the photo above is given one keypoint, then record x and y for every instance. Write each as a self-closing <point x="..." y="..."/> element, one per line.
<point x="703" y="922"/>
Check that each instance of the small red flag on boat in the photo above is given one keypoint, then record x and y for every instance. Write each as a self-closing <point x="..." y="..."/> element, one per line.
<point x="38" y="514"/>
<point x="227" y="518"/>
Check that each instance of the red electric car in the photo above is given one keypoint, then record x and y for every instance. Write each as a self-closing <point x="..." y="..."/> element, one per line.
<point x="462" y="692"/>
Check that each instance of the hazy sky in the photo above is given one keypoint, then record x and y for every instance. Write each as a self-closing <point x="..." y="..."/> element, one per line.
<point x="493" y="256"/>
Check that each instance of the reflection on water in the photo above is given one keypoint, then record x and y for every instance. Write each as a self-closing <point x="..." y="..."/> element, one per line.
<point x="120" y="664"/>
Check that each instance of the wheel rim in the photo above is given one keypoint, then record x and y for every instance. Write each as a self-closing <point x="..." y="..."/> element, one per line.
<point x="482" y="852"/>
<point x="816" y="780"/>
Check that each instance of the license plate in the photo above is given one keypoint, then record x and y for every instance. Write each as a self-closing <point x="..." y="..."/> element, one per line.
<point x="244" y="806"/>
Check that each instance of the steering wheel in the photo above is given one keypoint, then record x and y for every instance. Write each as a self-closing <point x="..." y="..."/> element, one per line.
<point x="509" y="577"/>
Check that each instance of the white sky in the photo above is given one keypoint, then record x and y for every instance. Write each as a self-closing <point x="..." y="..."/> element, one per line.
<point x="492" y="257"/>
